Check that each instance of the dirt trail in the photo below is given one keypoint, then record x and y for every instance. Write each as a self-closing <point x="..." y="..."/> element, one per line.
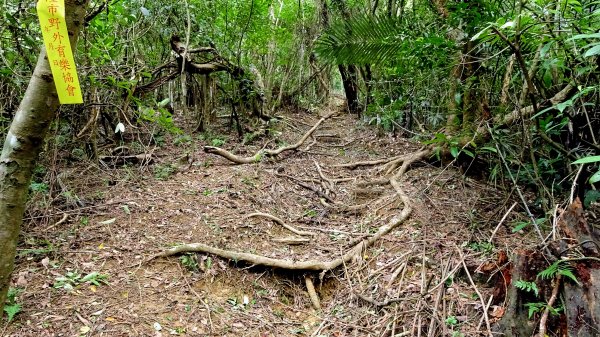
<point x="411" y="279"/>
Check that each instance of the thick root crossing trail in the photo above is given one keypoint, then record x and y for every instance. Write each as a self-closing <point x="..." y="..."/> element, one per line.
<point x="322" y="228"/>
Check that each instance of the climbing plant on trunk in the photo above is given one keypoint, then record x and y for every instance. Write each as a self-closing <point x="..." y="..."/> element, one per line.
<point x="23" y="144"/>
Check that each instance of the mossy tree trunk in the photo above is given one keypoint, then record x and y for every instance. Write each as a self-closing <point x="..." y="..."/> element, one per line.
<point x="23" y="144"/>
<point x="466" y="102"/>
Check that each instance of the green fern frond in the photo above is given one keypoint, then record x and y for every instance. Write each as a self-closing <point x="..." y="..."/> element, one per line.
<point x="558" y="268"/>
<point x="361" y="40"/>
<point x="528" y="287"/>
<point x="550" y="271"/>
<point x="567" y="272"/>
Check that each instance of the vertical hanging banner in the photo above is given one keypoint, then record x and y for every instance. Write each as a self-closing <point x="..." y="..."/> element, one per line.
<point x="56" y="39"/>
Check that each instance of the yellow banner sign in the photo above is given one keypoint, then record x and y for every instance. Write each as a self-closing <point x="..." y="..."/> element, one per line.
<point x="58" y="48"/>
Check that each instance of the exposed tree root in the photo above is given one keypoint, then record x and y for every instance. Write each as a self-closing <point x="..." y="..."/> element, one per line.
<point x="400" y="164"/>
<point x="265" y="153"/>
<point x="308" y="187"/>
<point x="291" y="264"/>
<point x="312" y="293"/>
<point x="403" y="161"/>
<point x="316" y="265"/>
<point x="291" y="240"/>
<point x="368" y="162"/>
<point x="282" y="223"/>
<point x="326" y="183"/>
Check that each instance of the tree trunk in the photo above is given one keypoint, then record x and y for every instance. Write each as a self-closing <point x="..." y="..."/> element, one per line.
<point x="515" y="322"/>
<point x="368" y="77"/>
<point x="582" y="301"/>
<point x="349" y="80"/>
<point x="349" y="72"/>
<point x="465" y="84"/>
<point x="23" y="144"/>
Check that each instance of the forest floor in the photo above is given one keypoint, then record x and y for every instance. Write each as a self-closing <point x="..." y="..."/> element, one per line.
<point x="108" y="221"/>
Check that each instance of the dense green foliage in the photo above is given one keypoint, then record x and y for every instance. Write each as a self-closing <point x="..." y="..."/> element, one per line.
<point x="454" y="71"/>
<point x="444" y="72"/>
<point x="126" y="41"/>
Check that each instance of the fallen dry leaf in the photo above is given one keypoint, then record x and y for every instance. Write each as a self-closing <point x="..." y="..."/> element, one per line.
<point x="497" y="312"/>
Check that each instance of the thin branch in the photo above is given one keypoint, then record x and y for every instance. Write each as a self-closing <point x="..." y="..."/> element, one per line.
<point x="501" y="222"/>
<point x="308" y="187"/>
<point x="553" y="297"/>
<point x="369" y="162"/>
<point x="512" y="178"/>
<point x="483" y="304"/>
<point x="379" y="304"/>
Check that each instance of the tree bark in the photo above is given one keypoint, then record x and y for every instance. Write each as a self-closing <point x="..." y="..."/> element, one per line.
<point x="23" y="144"/>
<point x="582" y="301"/>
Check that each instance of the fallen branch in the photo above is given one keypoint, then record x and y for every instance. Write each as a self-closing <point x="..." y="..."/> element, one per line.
<point x="265" y="153"/>
<point x="281" y="222"/>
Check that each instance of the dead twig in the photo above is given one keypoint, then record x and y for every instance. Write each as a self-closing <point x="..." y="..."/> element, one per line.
<point x="551" y="301"/>
<point x="308" y="187"/>
<point x="291" y="240"/>
<point x="434" y="318"/>
<point x="487" y="307"/>
<point x="398" y="270"/>
<point x="501" y="222"/>
<point x="483" y="304"/>
<point x="59" y="222"/>
<point x="379" y="304"/>
<point x="335" y="231"/>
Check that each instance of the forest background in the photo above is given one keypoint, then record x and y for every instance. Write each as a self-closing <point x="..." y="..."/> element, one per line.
<point x="505" y="90"/>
